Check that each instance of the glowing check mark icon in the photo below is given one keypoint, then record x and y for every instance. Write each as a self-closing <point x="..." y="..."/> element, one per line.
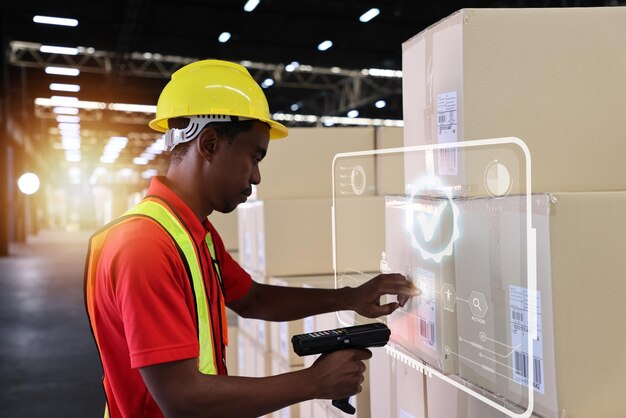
<point x="429" y="225"/>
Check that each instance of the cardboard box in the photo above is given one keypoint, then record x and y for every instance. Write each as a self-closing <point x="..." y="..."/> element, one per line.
<point x="280" y="366"/>
<point x="232" y="351"/>
<point x="389" y="169"/>
<point x="245" y="356"/>
<point x="227" y="225"/>
<point x="554" y="77"/>
<point x="409" y="388"/>
<point x="426" y="326"/>
<point x="284" y="176"/>
<point x="247" y="220"/>
<point x="281" y="332"/>
<point x="379" y="369"/>
<point x="579" y="359"/>
<point x="293" y="236"/>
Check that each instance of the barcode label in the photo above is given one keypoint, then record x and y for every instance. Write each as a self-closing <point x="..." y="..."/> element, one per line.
<point x="427" y="332"/>
<point x="519" y="308"/>
<point x="517" y="316"/>
<point x="520" y="364"/>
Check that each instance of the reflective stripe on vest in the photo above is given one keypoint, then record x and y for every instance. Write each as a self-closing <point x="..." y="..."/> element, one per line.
<point x="156" y="211"/>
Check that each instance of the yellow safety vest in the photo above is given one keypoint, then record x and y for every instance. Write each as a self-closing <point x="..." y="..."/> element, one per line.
<point x="158" y="211"/>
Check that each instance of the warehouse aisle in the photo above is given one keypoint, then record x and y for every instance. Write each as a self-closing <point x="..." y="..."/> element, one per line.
<point x="48" y="362"/>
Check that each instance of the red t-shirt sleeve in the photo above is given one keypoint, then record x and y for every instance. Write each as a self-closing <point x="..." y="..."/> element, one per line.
<point x="237" y="281"/>
<point x="151" y="297"/>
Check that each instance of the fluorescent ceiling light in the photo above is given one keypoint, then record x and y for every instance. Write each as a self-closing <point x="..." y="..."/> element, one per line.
<point x="82" y="104"/>
<point x="268" y="82"/>
<point x="380" y="104"/>
<point x="68" y="126"/>
<point x="68" y="119"/>
<point x="50" y="20"/>
<point x="140" y="161"/>
<point x="369" y="15"/>
<point x="49" y="49"/>
<point x="353" y="113"/>
<point x="64" y="101"/>
<point x="251" y="5"/>
<point x="291" y="67"/>
<point x="224" y="37"/>
<point x="325" y="45"/>
<point x="62" y="71"/>
<point x="126" y="107"/>
<point x="60" y="110"/>
<point x="74" y="88"/>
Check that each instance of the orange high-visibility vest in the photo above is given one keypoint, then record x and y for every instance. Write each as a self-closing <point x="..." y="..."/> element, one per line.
<point x="156" y="210"/>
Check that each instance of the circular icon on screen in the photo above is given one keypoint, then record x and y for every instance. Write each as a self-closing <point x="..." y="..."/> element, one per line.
<point x="358" y="180"/>
<point x="498" y="179"/>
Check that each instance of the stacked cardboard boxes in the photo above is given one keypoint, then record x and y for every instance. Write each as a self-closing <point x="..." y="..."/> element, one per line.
<point x="528" y="73"/>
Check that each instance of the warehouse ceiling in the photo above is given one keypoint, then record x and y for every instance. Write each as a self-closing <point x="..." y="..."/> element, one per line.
<point x="127" y="49"/>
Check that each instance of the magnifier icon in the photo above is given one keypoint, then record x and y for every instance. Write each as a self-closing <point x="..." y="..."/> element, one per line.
<point x="476" y="303"/>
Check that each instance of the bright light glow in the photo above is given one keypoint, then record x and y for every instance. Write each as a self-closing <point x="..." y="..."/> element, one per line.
<point x="380" y="104"/>
<point x="337" y="120"/>
<point x="113" y="148"/>
<point x="62" y="71"/>
<point x="291" y="67"/>
<point x="325" y="45"/>
<point x="369" y="15"/>
<point x="72" y="156"/>
<point x="50" y="20"/>
<point x="50" y="49"/>
<point x="64" y="101"/>
<point x="140" y="161"/>
<point x="295" y="107"/>
<point x="224" y="37"/>
<point x="151" y="172"/>
<point x="251" y="5"/>
<point x="126" y="107"/>
<point x="75" y="175"/>
<point x="353" y="113"/>
<point x="82" y="104"/>
<point x="68" y="119"/>
<point x="74" y="88"/>
<point x="335" y="70"/>
<point x="65" y="110"/>
<point x="126" y="172"/>
<point x="268" y="82"/>
<point x="379" y="72"/>
<point x="69" y="127"/>
<point x="28" y="183"/>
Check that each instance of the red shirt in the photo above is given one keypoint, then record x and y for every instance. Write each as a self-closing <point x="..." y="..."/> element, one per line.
<point x="145" y="304"/>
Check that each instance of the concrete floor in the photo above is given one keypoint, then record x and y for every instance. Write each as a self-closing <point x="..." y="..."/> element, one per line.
<point x="49" y="365"/>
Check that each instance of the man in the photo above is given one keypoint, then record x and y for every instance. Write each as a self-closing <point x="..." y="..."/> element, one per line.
<point x="158" y="278"/>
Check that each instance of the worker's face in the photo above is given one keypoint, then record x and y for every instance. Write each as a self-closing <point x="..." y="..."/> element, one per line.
<point x="237" y="165"/>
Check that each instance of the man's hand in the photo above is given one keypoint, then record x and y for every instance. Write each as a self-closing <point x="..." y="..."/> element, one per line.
<point x="339" y="374"/>
<point x="365" y="299"/>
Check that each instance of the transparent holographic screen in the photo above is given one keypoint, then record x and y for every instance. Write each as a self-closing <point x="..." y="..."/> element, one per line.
<point x="456" y="220"/>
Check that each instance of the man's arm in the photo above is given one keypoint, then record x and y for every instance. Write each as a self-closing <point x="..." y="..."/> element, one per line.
<point x="181" y="390"/>
<point x="277" y="303"/>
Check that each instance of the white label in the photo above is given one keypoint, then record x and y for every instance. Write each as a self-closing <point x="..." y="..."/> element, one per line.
<point x="447" y="132"/>
<point x="519" y="338"/>
<point x="283" y="331"/>
<point x="404" y="414"/>
<point x="426" y="308"/>
<point x="309" y="324"/>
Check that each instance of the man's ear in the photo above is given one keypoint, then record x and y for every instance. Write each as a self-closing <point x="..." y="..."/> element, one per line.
<point x="207" y="142"/>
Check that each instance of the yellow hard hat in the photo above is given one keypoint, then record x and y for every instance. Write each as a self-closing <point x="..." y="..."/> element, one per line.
<point x="214" y="87"/>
